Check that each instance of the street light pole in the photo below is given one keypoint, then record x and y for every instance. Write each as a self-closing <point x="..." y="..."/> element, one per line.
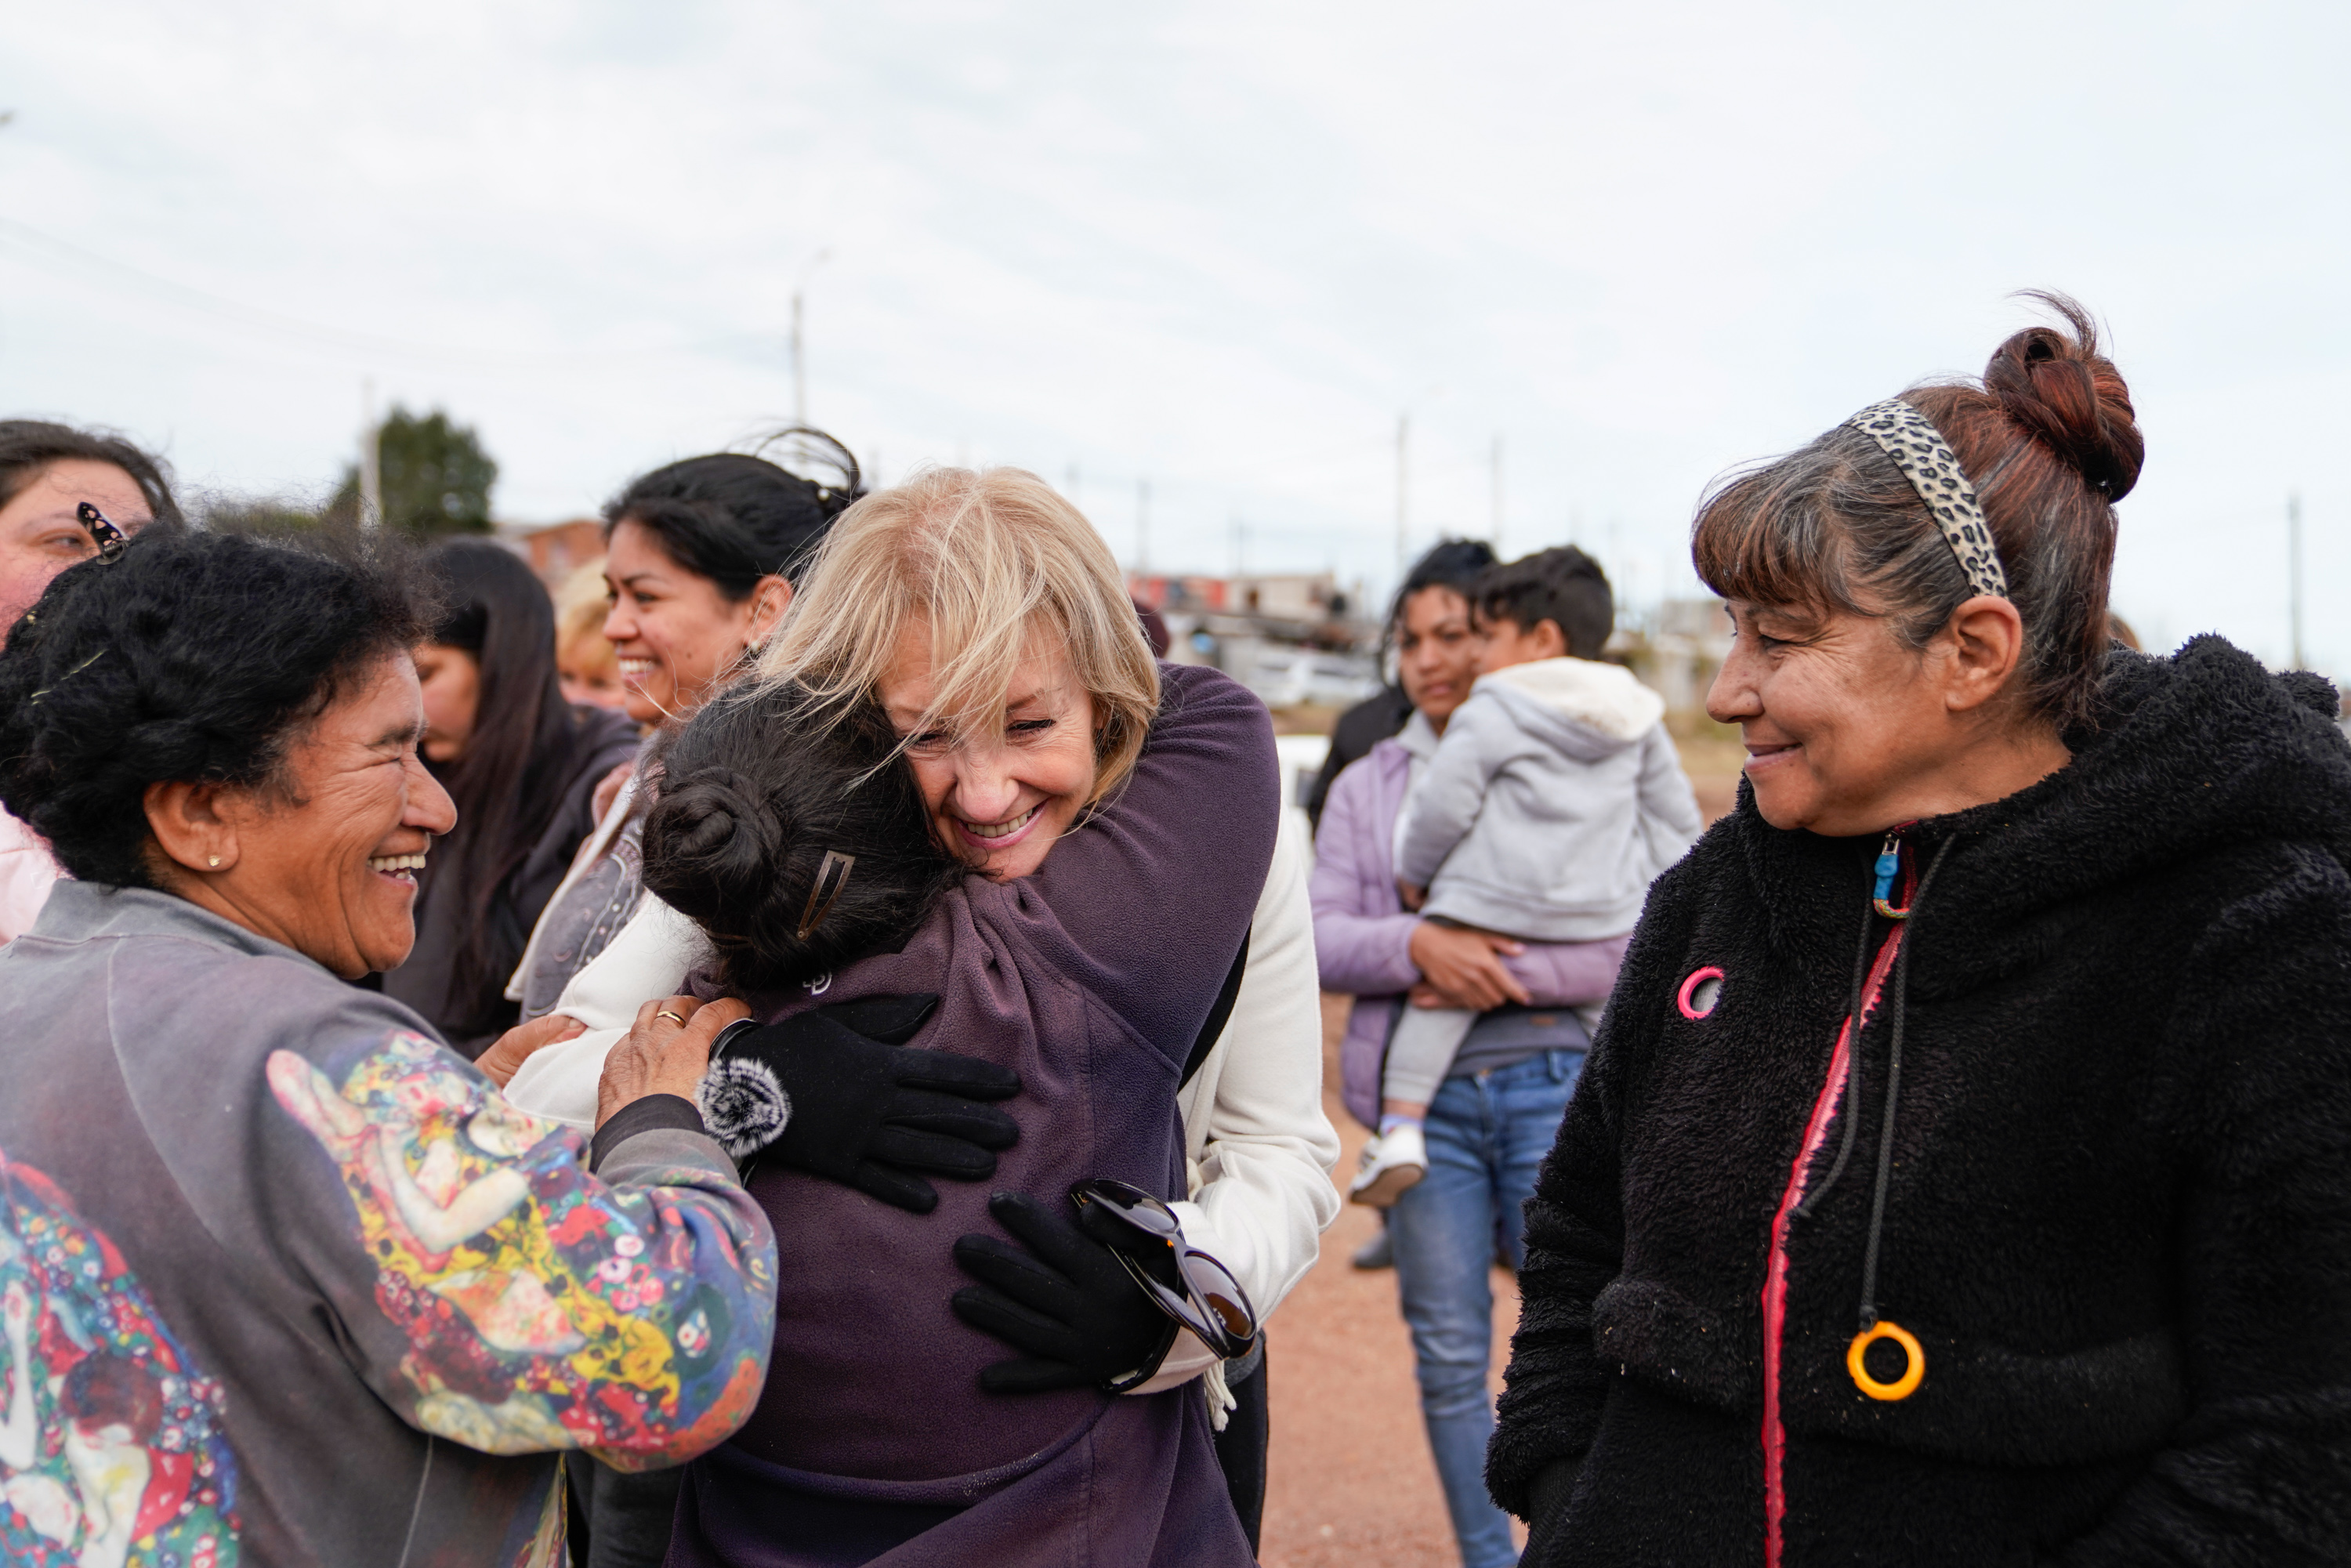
<point x="1403" y="437"/>
<point x="2294" y="574"/>
<point x="370" y="458"/>
<point x="1142" y="527"/>
<point x="1497" y="540"/>
<point x="799" y="349"/>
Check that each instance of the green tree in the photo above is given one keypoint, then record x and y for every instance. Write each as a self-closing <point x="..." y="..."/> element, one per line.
<point x="436" y="476"/>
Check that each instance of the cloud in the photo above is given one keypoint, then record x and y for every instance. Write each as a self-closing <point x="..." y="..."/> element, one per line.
<point x="1221" y="248"/>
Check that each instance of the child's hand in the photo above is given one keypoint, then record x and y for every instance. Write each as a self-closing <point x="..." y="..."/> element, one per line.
<point x="1413" y="897"/>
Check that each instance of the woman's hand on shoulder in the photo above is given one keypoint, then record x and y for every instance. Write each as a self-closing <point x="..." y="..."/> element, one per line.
<point x="666" y="1052"/>
<point x="511" y="1049"/>
<point x="1464" y="968"/>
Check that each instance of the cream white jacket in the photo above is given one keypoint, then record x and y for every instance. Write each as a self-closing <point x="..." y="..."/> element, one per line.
<point x="1260" y="1147"/>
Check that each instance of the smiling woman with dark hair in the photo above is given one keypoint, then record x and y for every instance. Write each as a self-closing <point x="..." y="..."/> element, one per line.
<point x="263" y="1238"/>
<point x="702" y="557"/>
<point x="1962" y="1173"/>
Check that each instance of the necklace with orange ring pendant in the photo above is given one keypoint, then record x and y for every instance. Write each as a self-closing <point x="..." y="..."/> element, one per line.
<point x="1914" y="1369"/>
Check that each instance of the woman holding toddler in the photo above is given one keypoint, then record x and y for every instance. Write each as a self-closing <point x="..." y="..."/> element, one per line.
<point x="1534" y="794"/>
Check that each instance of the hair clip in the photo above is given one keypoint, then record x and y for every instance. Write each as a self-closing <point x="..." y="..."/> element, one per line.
<point x="108" y="539"/>
<point x="819" y="902"/>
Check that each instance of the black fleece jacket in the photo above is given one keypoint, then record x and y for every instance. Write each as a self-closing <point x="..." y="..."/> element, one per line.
<point x="2118" y="1205"/>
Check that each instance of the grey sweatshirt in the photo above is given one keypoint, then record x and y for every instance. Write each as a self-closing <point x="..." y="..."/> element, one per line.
<point x="284" y="1281"/>
<point x="1552" y="802"/>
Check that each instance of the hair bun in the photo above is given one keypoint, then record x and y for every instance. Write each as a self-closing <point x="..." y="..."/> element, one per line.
<point x="709" y="843"/>
<point x="2071" y="398"/>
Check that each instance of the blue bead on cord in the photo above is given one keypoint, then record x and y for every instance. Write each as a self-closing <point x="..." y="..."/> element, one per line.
<point x="1890" y="866"/>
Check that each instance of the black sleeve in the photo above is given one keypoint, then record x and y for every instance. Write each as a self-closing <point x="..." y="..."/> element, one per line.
<point x="2260" y="1469"/>
<point x="644" y="1116"/>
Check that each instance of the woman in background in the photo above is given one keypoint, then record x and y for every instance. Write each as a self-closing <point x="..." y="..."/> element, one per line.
<point x="522" y="765"/>
<point x="1486" y="1132"/>
<point x="46" y="471"/>
<point x="585" y="664"/>
<point x="700" y="560"/>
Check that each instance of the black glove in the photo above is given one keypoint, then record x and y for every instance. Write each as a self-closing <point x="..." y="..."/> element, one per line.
<point x="1065" y="1301"/>
<point x="836" y="1092"/>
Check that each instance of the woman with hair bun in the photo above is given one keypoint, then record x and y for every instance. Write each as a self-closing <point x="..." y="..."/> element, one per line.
<point x="960" y="716"/>
<point x="1961" y="1174"/>
<point x="701" y="557"/>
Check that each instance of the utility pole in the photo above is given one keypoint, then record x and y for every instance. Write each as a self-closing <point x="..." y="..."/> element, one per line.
<point x="1497" y="540"/>
<point x="1071" y="489"/>
<point x="370" y="458"/>
<point x="2293" y="574"/>
<point x="799" y="347"/>
<point x="1142" y="527"/>
<point x="800" y="366"/>
<point x="1403" y="438"/>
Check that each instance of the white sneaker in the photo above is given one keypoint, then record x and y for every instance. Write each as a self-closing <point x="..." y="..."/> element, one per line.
<point x="1391" y="1162"/>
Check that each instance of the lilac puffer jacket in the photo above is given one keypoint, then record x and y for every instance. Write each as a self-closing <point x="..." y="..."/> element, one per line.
<point x="1363" y="936"/>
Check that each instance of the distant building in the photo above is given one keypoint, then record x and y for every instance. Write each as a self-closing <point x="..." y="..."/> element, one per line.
<point x="1676" y="650"/>
<point x="1314" y="602"/>
<point x="1294" y="639"/>
<point x="555" y="551"/>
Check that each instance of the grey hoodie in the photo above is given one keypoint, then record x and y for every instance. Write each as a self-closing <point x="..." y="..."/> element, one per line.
<point x="1554" y="801"/>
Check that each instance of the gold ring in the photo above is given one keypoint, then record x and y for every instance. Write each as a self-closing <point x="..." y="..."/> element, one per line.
<point x="673" y="1017"/>
<point x="1901" y="1387"/>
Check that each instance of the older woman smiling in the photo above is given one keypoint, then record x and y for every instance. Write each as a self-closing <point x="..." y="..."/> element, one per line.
<point x="1961" y="1174"/>
<point x="268" y="1242"/>
<point x="1122" y="817"/>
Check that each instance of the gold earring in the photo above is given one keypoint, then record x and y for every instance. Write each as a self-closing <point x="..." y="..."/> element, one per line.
<point x="213" y="861"/>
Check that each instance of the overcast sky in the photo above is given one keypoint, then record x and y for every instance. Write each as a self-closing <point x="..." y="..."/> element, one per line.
<point x="1218" y="248"/>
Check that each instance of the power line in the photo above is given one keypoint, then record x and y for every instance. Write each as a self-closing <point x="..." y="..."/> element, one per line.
<point x="74" y="261"/>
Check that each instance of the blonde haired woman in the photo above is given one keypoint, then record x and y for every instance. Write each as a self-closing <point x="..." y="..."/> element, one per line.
<point x="1124" y="817"/>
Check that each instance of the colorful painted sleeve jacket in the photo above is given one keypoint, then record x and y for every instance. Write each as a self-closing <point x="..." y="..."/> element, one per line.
<point x="284" y="1281"/>
<point x="2103" y="1082"/>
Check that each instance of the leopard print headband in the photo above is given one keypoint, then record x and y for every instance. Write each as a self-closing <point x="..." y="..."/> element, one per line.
<point x="1933" y="469"/>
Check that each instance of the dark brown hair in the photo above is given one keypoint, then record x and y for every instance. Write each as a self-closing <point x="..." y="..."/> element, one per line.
<point x="2050" y="441"/>
<point x="27" y="446"/>
<point x="1561" y="585"/>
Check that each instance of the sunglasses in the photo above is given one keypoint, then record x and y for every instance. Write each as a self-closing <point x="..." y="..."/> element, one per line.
<point x="1212" y="1303"/>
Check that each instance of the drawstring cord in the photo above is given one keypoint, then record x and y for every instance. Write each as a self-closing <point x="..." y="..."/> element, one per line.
<point x="1852" y="1073"/>
<point x="1872" y="1327"/>
<point x="1893" y="1093"/>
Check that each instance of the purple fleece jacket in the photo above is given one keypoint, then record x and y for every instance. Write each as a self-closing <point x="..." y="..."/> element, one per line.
<point x="1363" y="936"/>
<point x="873" y="1442"/>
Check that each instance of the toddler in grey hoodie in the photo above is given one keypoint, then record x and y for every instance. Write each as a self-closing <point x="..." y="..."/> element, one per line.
<point x="1553" y="800"/>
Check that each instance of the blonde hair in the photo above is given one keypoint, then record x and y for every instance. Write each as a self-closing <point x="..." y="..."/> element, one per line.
<point x="993" y="561"/>
<point x="582" y="603"/>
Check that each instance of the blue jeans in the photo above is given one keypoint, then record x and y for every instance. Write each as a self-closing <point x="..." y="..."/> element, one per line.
<point x="1486" y="1135"/>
